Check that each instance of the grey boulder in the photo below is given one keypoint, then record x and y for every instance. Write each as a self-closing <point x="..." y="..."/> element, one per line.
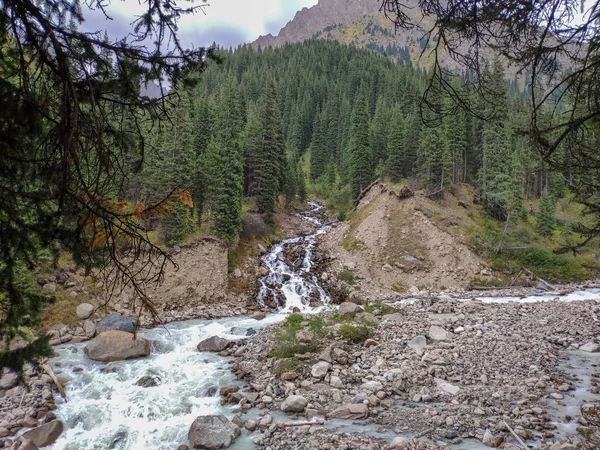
<point x="45" y="434"/>
<point x="117" y="345"/>
<point x="294" y="403"/>
<point x="350" y="411"/>
<point x="214" y="344"/>
<point x="212" y="432"/>
<point x="115" y="322"/>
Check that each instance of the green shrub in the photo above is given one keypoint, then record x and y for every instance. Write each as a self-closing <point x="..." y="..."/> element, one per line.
<point x="550" y="266"/>
<point x="347" y="276"/>
<point x="287" y="365"/>
<point x="355" y="333"/>
<point x="285" y="342"/>
<point x="316" y="325"/>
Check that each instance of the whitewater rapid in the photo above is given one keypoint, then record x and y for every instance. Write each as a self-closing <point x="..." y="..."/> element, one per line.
<point x="107" y="410"/>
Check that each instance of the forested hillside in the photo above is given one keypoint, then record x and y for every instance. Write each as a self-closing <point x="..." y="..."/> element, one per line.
<point x="265" y="122"/>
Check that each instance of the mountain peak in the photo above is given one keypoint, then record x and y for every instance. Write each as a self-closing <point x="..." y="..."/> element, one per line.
<point x="357" y="22"/>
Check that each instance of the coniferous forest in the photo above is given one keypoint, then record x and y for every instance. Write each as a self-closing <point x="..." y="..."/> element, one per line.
<point x="265" y="123"/>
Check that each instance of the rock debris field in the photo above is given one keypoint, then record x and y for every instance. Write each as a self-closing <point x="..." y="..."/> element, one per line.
<point x="434" y="373"/>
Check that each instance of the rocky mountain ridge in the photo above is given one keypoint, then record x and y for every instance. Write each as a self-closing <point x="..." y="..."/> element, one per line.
<point x="355" y="22"/>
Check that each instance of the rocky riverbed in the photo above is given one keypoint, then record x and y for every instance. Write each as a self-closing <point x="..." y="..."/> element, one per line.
<point x="446" y="370"/>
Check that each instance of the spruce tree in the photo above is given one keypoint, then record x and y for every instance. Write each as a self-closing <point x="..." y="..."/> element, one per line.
<point x="361" y="156"/>
<point x="318" y="149"/>
<point x="271" y="171"/>
<point x="546" y="219"/>
<point x="395" y="150"/>
<point x="225" y="160"/>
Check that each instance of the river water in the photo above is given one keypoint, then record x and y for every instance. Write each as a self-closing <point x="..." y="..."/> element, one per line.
<point x="107" y="410"/>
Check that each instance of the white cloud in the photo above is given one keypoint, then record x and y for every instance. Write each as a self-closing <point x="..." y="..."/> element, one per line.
<point x="244" y="19"/>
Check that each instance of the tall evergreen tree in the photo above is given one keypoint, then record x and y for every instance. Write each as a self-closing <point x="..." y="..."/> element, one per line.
<point x="226" y="162"/>
<point x="319" y="154"/>
<point x="546" y="219"/>
<point x="271" y="172"/>
<point x="361" y="156"/>
<point x="395" y="142"/>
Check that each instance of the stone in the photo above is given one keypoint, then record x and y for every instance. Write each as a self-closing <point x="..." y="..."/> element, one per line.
<point x="446" y="387"/>
<point x="418" y="344"/>
<point x="148" y="381"/>
<point x="212" y="432"/>
<point x="437" y="333"/>
<point x="49" y="287"/>
<point x="241" y="331"/>
<point x="214" y="344"/>
<point x="117" y="345"/>
<point x="294" y="403"/>
<point x="24" y="444"/>
<point x="266" y="421"/>
<point x="387" y="268"/>
<point x="590" y="347"/>
<point x="336" y="382"/>
<point x="226" y="390"/>
<point x="250" y="425"/>
<point x="408" y="263"/>
<point x="183" y="447"/>
<point x="237" y="273"/>
<point x="261" y="249"/>
<point x="89" y="328"/>
<point x="45" y="434"/>
<point x="288" y="376"/>
<point x="320" y="369"/>
<point x="489" y="439"/>
<point x="84" y="310"/>
<point x="259" y="315"/>
<point x="349" y="309"/>
<point x="350" y="411"/>
<point x="8" y="380"/>
<point x="370" y="343"/>
<point x="115" y="322"/>
<point x="399" y="442"/>
<point x="372" y="386"/>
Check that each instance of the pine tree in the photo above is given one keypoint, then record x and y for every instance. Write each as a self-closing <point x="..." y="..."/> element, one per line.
<point x="546" y="219"/>
<point x="395" y="148"/>
<point x="272" y="165"/>
<point x="379" y="133"/>
<point x="361" y="156"/>
<point x="224" y="160"/>
<point x="318" y="149"/>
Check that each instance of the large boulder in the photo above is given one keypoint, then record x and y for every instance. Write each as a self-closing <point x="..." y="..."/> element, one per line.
<point x="214" y="344"/>
<point x="117" y="345"/>
<point x="437" y="333"/>
<point x="320" y="369"/>
<point x="212" y="432"/>
<point x="45" y="434"/>
<point x="590" y="347"/>
<point x="350" y="411"/>
<point x="8" y="379"/>
<point x="84" y="310"/>
<point x="446" y="387"/>
<point x="115" y="322"/>
<point x="349" y="309"/>
<point x="418" y="344"/>
<point x="294" y="403"/>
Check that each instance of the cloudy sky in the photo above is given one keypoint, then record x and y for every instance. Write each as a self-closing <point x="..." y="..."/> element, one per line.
<point x="227" y="22"/>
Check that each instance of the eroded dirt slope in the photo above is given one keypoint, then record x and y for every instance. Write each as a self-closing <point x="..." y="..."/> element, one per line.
<point x="396" y="244"/>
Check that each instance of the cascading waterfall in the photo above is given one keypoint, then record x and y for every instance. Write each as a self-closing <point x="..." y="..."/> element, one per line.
<point x="107" y="410"/>
<point x="289" y="286"/>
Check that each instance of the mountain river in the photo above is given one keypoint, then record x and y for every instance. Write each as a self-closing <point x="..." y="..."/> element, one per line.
<point x="107" y="410"/>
